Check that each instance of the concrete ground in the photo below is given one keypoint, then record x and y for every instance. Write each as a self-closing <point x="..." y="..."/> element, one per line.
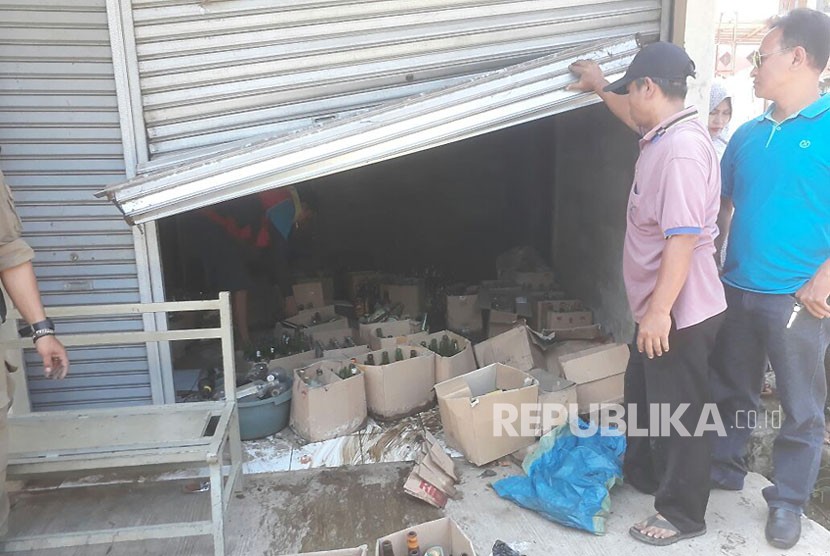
<point x="318" y="509"/>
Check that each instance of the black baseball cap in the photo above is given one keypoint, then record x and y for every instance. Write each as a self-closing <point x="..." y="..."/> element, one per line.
<point x="659" y="60"/>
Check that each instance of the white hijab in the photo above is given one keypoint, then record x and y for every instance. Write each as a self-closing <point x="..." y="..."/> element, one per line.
<point x="717" y="94"/>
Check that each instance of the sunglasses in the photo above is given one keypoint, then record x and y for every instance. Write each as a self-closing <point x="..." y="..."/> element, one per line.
<point x="757" y="59"/>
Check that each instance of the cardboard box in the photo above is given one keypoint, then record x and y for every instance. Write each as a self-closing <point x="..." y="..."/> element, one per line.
<point x="391" y="342"/>
<point x="467" y="405"/>
<point x="347" y="353"/>
<point x="293" y="362"/>
<point x="411" y="296"/>
<point x="389" y="328"/>
<point x="309" y="295"/>
<point x="559" y="306"/>
<point x="336" y="409"/>
<point x="556" y="321"/>
<point x="443" y="532"/>
<point x="433" y="477"/>
<point x="598" y="373"/>
<point x="402" y="387"/>
<point x="337" y="334"/>
<point x="605" y="390"/>
<point x="499" y="298"/>
<point x="359" y="551"/>
<point x="500" y="322"/>
<point x="595" y="363"/>
<point x="355" y="279"/>
<point x="463" y="314"/>
<point x="541" y="280"/>
<point x="514" y="348"/>
<point x="543" y="307"/>
<point x="559" y="393"/>
<point x="591" y="332"/>
<point x="567" y="347"/>
<point x="327" y="283"/>
<point x="329" y="320"/>
<point x="449" y="367"/>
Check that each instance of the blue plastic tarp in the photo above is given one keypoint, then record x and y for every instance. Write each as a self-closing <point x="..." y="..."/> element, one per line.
<point x="569" y="477"/>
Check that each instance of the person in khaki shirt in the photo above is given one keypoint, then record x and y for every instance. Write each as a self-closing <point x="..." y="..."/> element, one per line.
<point x="18" y="277"/>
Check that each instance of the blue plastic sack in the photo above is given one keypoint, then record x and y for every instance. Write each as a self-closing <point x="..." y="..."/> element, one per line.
<point x="569" y="478"/>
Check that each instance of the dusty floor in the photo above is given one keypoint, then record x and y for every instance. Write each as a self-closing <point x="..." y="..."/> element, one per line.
<point x="290" y="512"/>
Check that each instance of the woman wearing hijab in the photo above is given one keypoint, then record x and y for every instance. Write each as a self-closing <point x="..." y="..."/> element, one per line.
<point x="720" y="114"/>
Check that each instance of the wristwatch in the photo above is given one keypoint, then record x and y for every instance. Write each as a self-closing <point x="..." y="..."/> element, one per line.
<point x="38" y="330"/>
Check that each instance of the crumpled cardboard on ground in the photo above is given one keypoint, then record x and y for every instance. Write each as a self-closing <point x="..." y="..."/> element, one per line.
<point x="433" y="478"/>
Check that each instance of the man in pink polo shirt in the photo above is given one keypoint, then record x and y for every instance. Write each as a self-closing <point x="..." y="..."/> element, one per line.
<point x="672" y="283"/>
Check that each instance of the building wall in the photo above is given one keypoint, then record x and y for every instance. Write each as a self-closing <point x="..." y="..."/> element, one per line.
<point x="595" y="156"/>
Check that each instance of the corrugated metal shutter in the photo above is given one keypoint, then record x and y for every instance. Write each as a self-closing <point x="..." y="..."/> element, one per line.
<point x="507" y="97"/>
<point x="61" y="142"/>
<point x="218" y="71"/>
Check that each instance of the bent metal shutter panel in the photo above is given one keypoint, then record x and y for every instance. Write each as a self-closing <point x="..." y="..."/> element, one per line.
<point x="507" y="97"/>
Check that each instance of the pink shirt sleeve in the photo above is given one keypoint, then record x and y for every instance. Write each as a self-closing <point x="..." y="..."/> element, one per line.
<point x="681" y="202"/>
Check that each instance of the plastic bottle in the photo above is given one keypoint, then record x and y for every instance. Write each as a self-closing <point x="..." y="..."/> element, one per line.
<point x="412" y="546"/>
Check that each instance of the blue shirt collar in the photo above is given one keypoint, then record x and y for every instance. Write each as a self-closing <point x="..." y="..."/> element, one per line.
<point x="812" y="111"/>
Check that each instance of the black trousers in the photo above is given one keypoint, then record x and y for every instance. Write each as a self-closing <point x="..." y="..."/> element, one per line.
<point x="672" y="466"/>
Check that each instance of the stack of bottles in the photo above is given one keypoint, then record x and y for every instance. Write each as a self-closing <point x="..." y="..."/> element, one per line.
<point x="444" y="348"/>
<point x="333" y="343"/>
<point x="384" y="358"/>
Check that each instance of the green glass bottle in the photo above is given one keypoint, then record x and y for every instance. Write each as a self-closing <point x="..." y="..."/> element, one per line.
<point x="398" y="354"/>
<point x="433" y="345"/>
<point x="413" y="353"/>
<point x="370" y="359"/>
<point x="455" y="349"/>
<point x="444" y="346"/>
<point x="384" y="358"/>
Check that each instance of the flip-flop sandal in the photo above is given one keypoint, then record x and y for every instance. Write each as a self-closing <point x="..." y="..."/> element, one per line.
<point x="656" y="521"/>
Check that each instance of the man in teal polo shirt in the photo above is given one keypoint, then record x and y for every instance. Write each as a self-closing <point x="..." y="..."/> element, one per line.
<point x="776" y="175"/>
